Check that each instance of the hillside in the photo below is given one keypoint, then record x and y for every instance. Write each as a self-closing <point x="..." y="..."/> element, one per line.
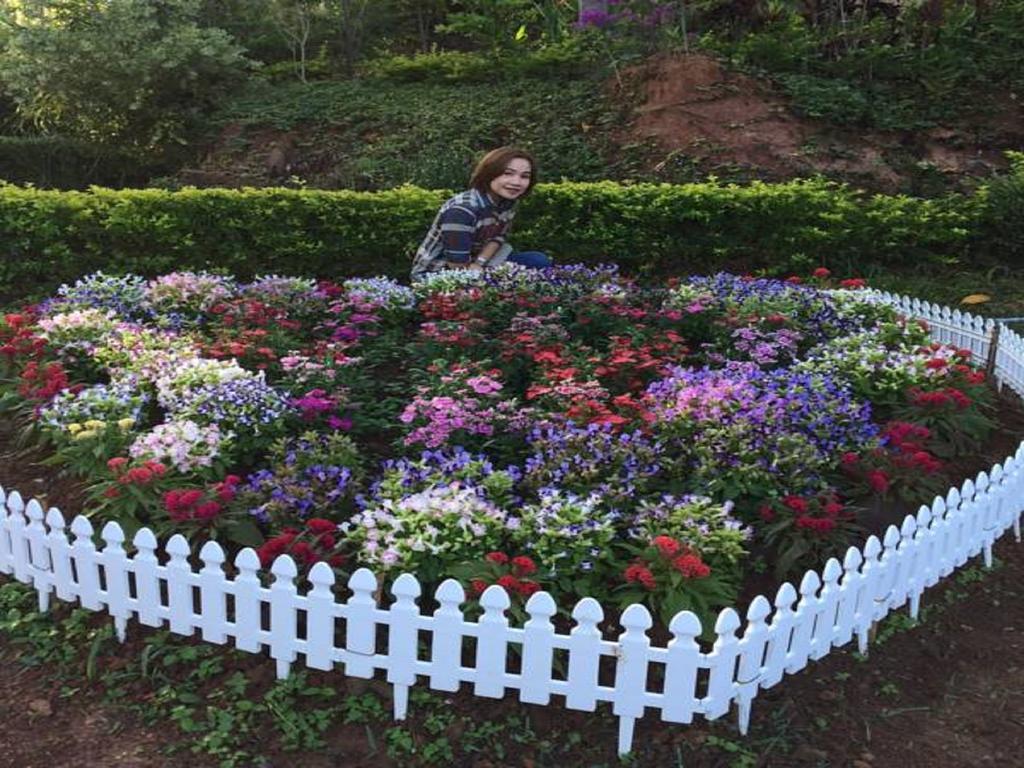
<point x="673" y="118"/>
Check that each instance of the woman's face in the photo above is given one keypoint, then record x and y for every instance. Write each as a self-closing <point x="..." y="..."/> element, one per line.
<point x="514" y="180"/>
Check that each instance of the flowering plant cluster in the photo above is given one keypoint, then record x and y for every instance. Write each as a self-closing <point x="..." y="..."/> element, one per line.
<point x="566" y="428"/>
<point x="670" y="576"/>
<point x="516" y="574"/>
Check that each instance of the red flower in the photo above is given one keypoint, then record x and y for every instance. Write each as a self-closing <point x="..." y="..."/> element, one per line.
<point x="140" y="475"/>
<point x="853" y="282"/>
<point x="116" y="463"/>
<point x="527" y="588"/>
<point x="666" y="545"/>
<point x="478" y="586"/>
<point x="190" y="497"/>
<point x="849" y="458"/>
<point x="935" y="363"/>
<point x="766" y="513"/>
<point x="795" y="503"/>
<point x="318" y="525"/>
<point x="156" y="468"/>
<point x="303" y="551"/>
<point x="822" y="273"/>
<point x="509" y="582"/>
<point x="816" y="524"/>
<point x="794" y="280"/>
<point x="833" y="509"/>
<point x="691" y="566"/>
<point x="207" y="510"/>
<point x="499" y="558"/>
<point x="523" y="565"/>
<point x="640" y="574"/>
<point x="878" y="480"/>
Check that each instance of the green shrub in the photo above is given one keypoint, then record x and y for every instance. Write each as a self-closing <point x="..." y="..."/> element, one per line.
<point x="68" y="163"/>
<point x="1000" y="236"/>
<point x="573" y="58"/>
<point x="48" y="237"/>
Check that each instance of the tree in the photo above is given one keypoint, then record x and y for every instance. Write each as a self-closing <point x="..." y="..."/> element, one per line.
<point x="136" y="74"/>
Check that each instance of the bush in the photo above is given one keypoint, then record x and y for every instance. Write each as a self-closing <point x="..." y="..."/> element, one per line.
<point x="50" y="237"/>
<point x="67" y="163"/>
<point x="1001" y="234"/>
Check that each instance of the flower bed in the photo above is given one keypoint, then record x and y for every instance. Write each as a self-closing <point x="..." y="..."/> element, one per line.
<point x="568" y="430"/>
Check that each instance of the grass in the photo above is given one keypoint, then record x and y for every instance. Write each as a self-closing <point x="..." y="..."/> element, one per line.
<point x="379" y="135"/>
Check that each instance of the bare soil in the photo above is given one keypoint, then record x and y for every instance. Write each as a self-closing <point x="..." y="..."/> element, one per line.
<point x="695" y="108"/>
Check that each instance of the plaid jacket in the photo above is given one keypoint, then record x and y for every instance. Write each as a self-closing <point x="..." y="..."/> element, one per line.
<point x="461" y="228"/>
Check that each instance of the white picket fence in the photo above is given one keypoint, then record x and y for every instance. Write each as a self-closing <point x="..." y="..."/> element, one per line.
<point x="367" y="635"/>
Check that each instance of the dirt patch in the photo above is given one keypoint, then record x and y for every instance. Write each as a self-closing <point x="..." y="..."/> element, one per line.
<point x="692" y="107"/>
<point x="42" y="729"/>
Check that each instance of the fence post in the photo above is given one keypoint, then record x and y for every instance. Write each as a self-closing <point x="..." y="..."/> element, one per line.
<point x="320" y="618"/>
<point x="60" y="553"/>
<point x="213" y="611"/>
<point x="538" y="649"/>
<point x="361" y="624"/>
<point x="681" y="669"/>
<point x="492" y="643"/>
<point x="446" y="645"/>
<point x="39" y="555"/>
<point x="752" y="650"/>
<point x="780" y="632"/>
<point x="248" y="605"/>
<point x="115" y="568"/>
<point x="83" y="553"/>
<point x="283" y="613"/>
<point x="180" y="604"/>
<point x="21" y="559"/>
<point x="584" y="655"/>
<point x="147" y="582"/>
<point x="631" y="672"/>
<point x="402" y="635"/>
<point x="6" y="555"/>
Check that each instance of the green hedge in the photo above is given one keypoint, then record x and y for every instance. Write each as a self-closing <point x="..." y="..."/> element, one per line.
<point x="47" y="237"/>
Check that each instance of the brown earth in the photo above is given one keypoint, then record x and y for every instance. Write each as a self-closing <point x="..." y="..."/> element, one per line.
<point x="693" y="107"/>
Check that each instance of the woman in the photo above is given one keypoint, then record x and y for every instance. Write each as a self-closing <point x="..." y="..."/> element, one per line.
<point x="469" y="230"/>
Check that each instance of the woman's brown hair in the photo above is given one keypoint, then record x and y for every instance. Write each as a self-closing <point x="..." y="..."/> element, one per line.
<point x="493" y="164"/>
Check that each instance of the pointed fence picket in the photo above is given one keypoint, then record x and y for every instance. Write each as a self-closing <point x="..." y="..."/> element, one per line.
<point x="261" y="612"/>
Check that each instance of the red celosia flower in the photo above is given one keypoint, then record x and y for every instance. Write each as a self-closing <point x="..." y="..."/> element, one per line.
<point x="478" y="586"/>
<point x="509" y="582"/>
<point x="878" y="480"/>
<point x="796" y="503"/>
<point x="822" y="273"/>
<point x="853" y="282"/>
<point x="499" y="558"/>
<point x="318" y="525"/>
<point x="527" y="588"/>
<point x="207" y="510"/>
<point x="816" y="524"/>
<point x="524" y="565"/>
<point x="766" y="513"/>
<point x="116" y="463"/>
<point x="691" y="566"/>
<point x="666" y="545"/>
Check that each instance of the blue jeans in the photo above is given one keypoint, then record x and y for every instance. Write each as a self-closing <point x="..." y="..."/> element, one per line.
<point x="531" y="259"/>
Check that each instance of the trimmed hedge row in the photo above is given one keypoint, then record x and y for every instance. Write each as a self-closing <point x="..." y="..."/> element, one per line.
<point x="48" y="237"/>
